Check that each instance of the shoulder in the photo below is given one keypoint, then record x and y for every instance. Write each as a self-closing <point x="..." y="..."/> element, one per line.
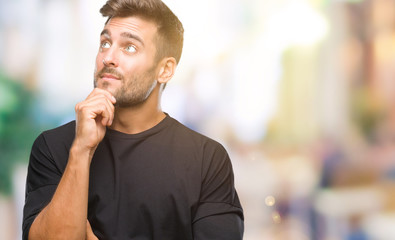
<point x="185" y="133"/>
<point x="58" y="139"/>
<point x="62" y="134"/>
<point x="50" y="151"/>
<point x="67" y="130"/>
<point x="195" y="141"/>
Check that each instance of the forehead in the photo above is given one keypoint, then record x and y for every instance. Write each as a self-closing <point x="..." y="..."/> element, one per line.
<point x="135" y="25"/>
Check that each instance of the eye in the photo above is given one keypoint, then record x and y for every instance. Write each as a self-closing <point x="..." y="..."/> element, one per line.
<point x="130" y="49"/>
<point x="105" y="45"/>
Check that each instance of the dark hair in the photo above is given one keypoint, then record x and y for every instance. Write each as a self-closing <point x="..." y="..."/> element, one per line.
<point x="170" y="35"/>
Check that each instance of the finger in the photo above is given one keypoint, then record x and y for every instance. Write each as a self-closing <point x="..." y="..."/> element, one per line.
<point x="110" y="110"/>
<point x="94" y="108"/>
<point x="108" y="116"/>
<point x="96" y="100"/>
<point x="103" y="110"/>
<point x="98" y="91"/>
<point x="109" y="105"/>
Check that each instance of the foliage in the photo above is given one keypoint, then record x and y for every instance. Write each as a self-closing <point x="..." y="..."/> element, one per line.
<point x="17" y="128"/>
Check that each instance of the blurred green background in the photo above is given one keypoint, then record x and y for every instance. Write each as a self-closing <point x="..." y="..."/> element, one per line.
<point x="300" y="92"/>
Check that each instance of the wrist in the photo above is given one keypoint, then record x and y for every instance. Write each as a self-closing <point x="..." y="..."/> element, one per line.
<point x="81" y="153"/>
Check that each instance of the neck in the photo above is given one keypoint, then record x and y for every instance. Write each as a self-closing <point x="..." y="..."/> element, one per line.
<point x="136" y="119"/>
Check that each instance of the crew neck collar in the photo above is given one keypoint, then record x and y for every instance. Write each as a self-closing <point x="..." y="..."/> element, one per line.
<point x="158" y="127"/>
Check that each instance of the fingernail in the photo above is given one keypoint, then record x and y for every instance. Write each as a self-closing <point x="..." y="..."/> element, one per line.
<point x="113" y="99"/>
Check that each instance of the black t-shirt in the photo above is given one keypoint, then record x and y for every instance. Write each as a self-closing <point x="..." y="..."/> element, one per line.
<point x="168" y="182"/>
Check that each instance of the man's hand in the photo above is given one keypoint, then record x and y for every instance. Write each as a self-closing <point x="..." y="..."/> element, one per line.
<point x="92" y="116"/>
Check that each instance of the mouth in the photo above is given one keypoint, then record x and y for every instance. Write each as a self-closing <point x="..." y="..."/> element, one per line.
<point x="109" y="77"/>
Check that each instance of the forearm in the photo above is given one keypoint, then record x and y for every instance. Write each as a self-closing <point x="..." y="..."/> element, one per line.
<point x="66" y="215"/>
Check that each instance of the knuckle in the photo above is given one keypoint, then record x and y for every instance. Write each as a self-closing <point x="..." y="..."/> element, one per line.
<point x="102" y="108"/>
<point x="83" y="109"/>
<point x="103" y="97"/>
<point x="78" y="106"/>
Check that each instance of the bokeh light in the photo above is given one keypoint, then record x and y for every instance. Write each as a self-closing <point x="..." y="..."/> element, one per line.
<point x="300" y="92"/>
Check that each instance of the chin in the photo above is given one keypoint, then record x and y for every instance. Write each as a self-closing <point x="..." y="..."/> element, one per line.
<point x="107" y="86"/>
<point x="110" y="90"/>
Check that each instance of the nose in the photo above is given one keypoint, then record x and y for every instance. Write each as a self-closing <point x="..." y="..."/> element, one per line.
<point x="111" y="58"/>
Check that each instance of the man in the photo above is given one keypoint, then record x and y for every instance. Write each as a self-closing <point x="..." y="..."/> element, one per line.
<point x="125" y="169"/>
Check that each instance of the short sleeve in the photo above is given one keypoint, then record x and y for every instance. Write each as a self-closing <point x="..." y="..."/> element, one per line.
<point x="229" y="226"/>
<point x="42" y="179"/>
<point x="219" y="205"/>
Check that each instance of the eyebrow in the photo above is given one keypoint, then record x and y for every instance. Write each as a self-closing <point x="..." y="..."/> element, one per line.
<point x="107" y="34"/>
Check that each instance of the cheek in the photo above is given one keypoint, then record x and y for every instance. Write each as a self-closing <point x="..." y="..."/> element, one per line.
<point x="97" y="66"/>
<point x="99" y="61"/>
<point x="128" y="70"/>
<point x="133" y="69"/>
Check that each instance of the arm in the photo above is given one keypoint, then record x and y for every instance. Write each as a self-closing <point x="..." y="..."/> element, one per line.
<point x="65" y="217"/>
<point x="219" y="215"/>
<point x="89" y="233"/>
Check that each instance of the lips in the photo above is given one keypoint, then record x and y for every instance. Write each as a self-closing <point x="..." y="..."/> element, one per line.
<point x="108" y="76"/>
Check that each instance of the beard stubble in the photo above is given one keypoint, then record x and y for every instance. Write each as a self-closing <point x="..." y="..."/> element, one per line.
<point x="134" y="90"/>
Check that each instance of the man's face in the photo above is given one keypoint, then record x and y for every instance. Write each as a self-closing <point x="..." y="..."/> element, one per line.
<point x="125" y="63"/>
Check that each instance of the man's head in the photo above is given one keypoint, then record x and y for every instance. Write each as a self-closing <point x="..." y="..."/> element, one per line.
<point x="170" y="32"/>
<point x="140" y="46"/>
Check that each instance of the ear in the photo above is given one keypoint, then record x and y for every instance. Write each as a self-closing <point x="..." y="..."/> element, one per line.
<point x="167" y="69"/>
